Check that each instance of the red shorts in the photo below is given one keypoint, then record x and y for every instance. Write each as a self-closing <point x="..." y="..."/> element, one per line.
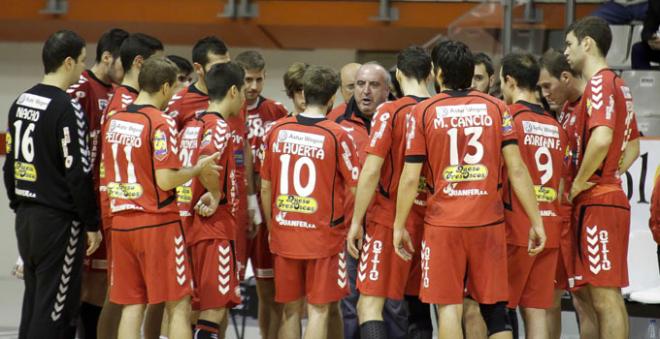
<point x="260" y="255"/>
<point x="321" y="281"/>
<point x="381" y="272"/>
<point x="531" y="279"/>
<point x="149" y="263"/>
<point x="452" y="254"/>
<point x="215" y="275"/>
<point x="98" y="261"/>
<point x="565" y="273"/>
<point x="603" y="229"/>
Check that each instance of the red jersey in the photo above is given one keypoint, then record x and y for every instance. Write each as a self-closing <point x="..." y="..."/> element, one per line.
<point x="388" y="141"/>
<point x="567" y="120"/>
<point x="336" y="112"/>
<point x="93" y="96"/>
<point x="460" y="134"/>
<point x="607" y="101"/>
<point x="120" y="99"/>
<point x="543" y="144"/>
<point x="186" y="104"/>
<point x="259" y="117"/>
<point x="215" y="137"/>
<point x="136" y="143"/>
<point x="310" y="163"/>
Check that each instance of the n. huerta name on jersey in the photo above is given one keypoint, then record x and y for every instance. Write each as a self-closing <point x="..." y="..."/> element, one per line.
<point x="300" y="150"/>
<point x="461" y="116"/>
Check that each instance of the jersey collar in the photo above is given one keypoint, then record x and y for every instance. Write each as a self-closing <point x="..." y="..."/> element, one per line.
<point x="308" y="121"/>
<point x="93" y="76"/>
<point x="538" y="109"/>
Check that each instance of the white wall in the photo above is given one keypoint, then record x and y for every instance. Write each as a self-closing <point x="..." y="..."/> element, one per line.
<point x="20" y="69"/>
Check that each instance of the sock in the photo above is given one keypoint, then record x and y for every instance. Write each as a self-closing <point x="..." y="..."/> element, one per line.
<point x="206" y="330"/>
<point x="373" y="329"/>
<point x="513" y="317"/>
<point x="89" y="317"/>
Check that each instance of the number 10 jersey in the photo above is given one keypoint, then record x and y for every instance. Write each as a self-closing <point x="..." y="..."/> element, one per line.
<point x="311" y="164"/>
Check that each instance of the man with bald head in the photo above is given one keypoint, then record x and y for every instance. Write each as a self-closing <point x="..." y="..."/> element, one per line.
<point x="371" y="88"/>
<point x="347" y="74"/>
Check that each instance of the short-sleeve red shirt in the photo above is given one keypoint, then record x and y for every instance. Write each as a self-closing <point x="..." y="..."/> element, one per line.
<point x="258" y="119"/>
<point x="309" y="162"/>
<point x="460" y="135"/>
<point x="186" y="104"/>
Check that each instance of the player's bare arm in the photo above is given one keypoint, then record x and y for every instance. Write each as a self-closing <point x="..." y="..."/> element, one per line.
<point x="597" y="148"/>
<point x="365" y="191"/>
<point x="209" y="201"/>
<point x="254" y="215"/>
<point x="523" y="186"/>
<point x="266" y="194"/>
<point x="404" y="201"/>
<point x="630" y="154"/>
<point x="168" y="179"/>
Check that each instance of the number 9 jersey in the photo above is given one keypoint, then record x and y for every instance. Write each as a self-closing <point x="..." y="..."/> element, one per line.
<point x="311" y="163"/>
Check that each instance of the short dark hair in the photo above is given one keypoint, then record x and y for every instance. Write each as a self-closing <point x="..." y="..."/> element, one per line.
<point x="482" y="58"/>
<point x="555" y="63"/>
<point x="221" y="77"/>
<point x="155" y="73"/>
<point x="414" y="62"/>
<point x="110" y="42"/>
<point x="200" y="52"/>
<point x="456" y="61"/>
<point x="596" y="28"/>
<point x="182" y="63"/>
<point x="293" y="78"/>
<point x="251" y="60"/>
<point x="59" y="46"/>
<point x="522" y="67"/>
<point x="138" y="44"/>
<point x="320" y="83"/>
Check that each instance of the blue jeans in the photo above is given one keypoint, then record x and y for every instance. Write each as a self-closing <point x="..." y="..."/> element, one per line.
<point x="617" y="14"/>
<point x="642" y="55"/>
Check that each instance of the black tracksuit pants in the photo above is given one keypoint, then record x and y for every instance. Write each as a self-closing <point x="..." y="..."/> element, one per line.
<point x="52" y="247"/>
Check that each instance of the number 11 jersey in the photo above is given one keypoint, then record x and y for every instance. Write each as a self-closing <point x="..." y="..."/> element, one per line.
<point x="310" y="162"/>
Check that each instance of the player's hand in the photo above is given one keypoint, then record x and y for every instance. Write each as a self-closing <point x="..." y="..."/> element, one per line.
<point x="579" y="187"/>
<point x="207" y="167"/>
<point x="354" y="240"/>
<point x="252" y="228"/>
<point x="537" y="240"/>
<point x="93" y="241"/>
<point x="254" y="212"/>
<point x="207" y="204"/>
<point x="403" y="245"/>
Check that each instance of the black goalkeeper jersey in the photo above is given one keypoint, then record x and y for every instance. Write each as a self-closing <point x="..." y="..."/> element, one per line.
<point x="48" y="158"/>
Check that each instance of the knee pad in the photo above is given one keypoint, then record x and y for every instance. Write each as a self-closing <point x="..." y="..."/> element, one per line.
<point x="496" y="317"/>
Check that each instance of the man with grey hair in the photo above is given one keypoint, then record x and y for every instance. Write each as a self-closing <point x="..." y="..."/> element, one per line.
<point x="370" y="91"/>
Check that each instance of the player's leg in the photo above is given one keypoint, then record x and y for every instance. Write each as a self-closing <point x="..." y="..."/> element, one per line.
<point x="317" y="321"/>
<point x="536" y="326"/>
<point x="209" y="324"/>
<point x="553" y="315"/>
<point x="586" y="314"/>
<point x="449" y="321"/>
<point x="153" y="320"/>
<point x="108" y="320"/>
<point x="611" y="311"/>
<point x="290" y="325"/>
<point x="178" y="312"/>
<point x="473" y="322"/>
<point x="268" y="312"/>
<point x="370" y="316"/>
<point x="335" y="321"/>
<point x="94" y="288"/>
<point x="131" y="322"/>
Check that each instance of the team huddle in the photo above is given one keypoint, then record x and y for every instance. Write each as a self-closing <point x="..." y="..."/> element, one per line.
<point x="474" y="204"/>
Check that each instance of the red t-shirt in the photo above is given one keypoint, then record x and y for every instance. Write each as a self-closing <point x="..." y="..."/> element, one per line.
<point x="120" y="99"/>
<point x="388" y="141"/>
<point x="258" y="119"/>
<point x="136" y="143"/>
<point x="93" y="96"/>
<point x="607" y="101"/>
<point x="217" y="137"/>
<point x="310" y="162"/>
<point x="460" y="134"/>
<point x="337" y="112"/>
<point x="543" y="144"/>
<point x="186" y="104"/>
<point x="567" y="120"/>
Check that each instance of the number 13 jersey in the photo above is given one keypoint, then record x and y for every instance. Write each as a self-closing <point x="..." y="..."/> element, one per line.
<point x="310" y="162"/>
<point x="460" y="134"/>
